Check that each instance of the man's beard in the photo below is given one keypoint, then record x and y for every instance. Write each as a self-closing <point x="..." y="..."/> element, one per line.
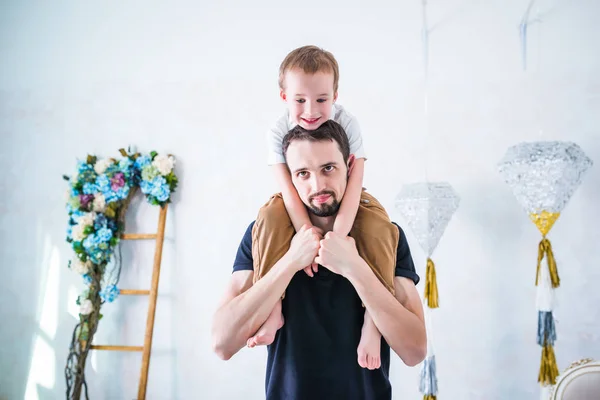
<point x="324" y="210"/>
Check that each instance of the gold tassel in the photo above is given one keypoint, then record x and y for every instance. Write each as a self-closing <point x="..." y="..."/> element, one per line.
<point x="545" y="248"/>
<point x="548" y="368"/>
<point x="429" y="397"/>
<point x="431" y="290"/>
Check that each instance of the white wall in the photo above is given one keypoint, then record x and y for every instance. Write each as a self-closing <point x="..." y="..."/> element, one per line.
<point x="199" y="80"/>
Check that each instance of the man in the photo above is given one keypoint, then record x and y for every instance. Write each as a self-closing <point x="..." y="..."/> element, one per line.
<point x="313" y="355"/>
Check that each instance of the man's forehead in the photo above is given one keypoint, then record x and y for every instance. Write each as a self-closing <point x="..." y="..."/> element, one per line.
<point x="312" y="154"/>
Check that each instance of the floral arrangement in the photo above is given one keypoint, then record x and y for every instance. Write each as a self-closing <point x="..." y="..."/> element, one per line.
<point x="97" y="199"/>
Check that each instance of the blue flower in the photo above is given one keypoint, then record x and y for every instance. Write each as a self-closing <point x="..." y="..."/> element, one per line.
<point x="83" y="166"/>
<point x="146" y="187"/>
<point x="125" y="164"/>
<point x="160" y="189"/>
<point x="109" y="293"/>
<point x="89" y="188"/>
<point x="69" y="231"/>
<point x="87" y="279"/>
<point x="104" y="235"/>
<point x="142" y="161"/>
<point x="74" y="192"/>
<point x="103" y="184"/>
<point x="110" y="196"/>
<point x="90" y="242"/>
<point x="100" y="222"/>
<point x="122" y="192"/>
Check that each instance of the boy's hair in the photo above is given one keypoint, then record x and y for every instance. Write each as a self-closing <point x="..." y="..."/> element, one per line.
<point x="310" y="59"/>
<point x="329" y="130"/>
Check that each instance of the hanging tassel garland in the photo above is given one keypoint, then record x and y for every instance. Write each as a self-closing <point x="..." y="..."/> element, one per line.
<point x="546" y="333"/>
<point x="431" y="290"/>
<point x="545" y="249"/>
<point x="548" y="369"/>
<point x="428" y="382"/>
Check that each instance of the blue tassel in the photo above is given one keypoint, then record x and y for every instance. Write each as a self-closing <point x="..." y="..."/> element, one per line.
<point x="428" y="383"/>
<point x="546" y="333"/>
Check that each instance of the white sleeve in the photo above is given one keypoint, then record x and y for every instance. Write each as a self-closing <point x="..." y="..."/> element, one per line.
<point x="275" y="136"/>
<point x="350" y="125"/>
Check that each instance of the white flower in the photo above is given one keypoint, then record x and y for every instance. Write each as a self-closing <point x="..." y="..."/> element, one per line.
<point x="99" y="204"/>
<point x="86" y="307"/>
<point x="77" y="233"/>
<point x="87" y="219"/>
<point x="164" y="164"/>
<point x="101" y="165"/>
<point x="80" y="267"/>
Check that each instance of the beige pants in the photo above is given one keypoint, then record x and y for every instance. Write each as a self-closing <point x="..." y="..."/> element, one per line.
<point x="375" y="236"/>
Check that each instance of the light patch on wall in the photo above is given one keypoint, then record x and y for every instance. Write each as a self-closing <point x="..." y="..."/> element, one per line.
<point x="42" y="369"/>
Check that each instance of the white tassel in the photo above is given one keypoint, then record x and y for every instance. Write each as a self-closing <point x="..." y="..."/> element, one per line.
<point x="545" y="292"/>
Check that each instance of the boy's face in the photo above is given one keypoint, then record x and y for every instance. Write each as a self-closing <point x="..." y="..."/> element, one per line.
<point x="309" y="97"/>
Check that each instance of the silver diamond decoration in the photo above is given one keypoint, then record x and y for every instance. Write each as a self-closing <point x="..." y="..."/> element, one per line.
<point x="427" y="207"/>
<point x="544" y="175"/>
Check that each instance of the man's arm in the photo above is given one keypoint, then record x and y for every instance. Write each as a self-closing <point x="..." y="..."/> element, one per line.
<point x="399" y="319"/>
<point x="245" y="307"/>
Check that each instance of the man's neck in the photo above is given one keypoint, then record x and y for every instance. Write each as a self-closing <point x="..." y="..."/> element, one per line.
<point x="325" y="223"/>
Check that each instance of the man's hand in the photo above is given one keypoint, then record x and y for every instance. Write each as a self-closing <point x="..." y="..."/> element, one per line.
<point x="304" y="247"/>
<point x="338" y="253"/>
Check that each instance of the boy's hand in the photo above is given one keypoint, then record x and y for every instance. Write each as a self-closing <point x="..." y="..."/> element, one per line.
<point x="304" y="247"/>
<point x="313" y="268"/>
<point x="338" y="253"/>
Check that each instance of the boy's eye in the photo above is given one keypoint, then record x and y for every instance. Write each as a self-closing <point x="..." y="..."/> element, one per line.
<point x="301" y="101"/>
<point x="321" y="100"/>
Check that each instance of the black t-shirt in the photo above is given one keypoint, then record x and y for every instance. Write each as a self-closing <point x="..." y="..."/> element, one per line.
<point x="313" y="356"/>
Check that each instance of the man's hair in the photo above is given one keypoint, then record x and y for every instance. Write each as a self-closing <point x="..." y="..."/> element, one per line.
<point x="329" y="130"/>
<point x="310" y="59"/>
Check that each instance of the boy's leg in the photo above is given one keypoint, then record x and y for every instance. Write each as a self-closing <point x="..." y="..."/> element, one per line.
<point x="377" y="242"/>
<point x="272" y="234"/>
<point x="266" y="333"/>
<point x="369" y="348"/>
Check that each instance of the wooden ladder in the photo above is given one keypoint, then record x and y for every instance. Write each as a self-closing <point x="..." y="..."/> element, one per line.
<point x="159" y="236"/>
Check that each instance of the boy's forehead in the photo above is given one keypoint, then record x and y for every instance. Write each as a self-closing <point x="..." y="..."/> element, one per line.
<point x="297" y="76"/>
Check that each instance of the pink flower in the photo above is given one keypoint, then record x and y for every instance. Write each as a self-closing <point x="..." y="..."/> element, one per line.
<point x="117" y="181"/>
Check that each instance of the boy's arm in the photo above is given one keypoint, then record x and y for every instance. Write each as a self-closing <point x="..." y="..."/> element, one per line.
<point x="294" y="206"/>
<point x="349" y="207"/>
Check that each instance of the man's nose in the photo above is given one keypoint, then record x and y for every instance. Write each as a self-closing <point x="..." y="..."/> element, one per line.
<point x="318" y="184"/>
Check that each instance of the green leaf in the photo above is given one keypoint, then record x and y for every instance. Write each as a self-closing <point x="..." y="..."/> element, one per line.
<point x="88" y="229"/>
<point x="153" y="154"/>
<point x="100" y="317"/>
<point x="91" y="159"/>
<point x="66" y="178"/>
<point x="123" y="152"/>
<point x="114" y="241"/>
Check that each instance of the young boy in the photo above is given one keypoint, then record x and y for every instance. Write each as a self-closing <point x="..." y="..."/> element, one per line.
<point x="308" y="81"/>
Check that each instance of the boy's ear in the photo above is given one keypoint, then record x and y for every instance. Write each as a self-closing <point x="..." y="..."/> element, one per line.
<point x="282" y="95"/>
<point x="335" y="96"/>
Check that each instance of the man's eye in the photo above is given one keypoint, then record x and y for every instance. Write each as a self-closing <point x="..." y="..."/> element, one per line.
<point x="301" y="101"/>
<point x="329" y="168"/>
<point x="302" y="174"/>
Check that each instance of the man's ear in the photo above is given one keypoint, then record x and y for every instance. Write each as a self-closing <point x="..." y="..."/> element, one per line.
<point x="351" y="160"/>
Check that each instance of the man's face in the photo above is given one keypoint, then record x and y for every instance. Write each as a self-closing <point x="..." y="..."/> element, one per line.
<point x="309" y="97"/>
<point x="319" y="174"/>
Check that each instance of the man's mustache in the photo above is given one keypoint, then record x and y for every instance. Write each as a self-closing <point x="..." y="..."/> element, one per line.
<point x="321" y="193"/>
